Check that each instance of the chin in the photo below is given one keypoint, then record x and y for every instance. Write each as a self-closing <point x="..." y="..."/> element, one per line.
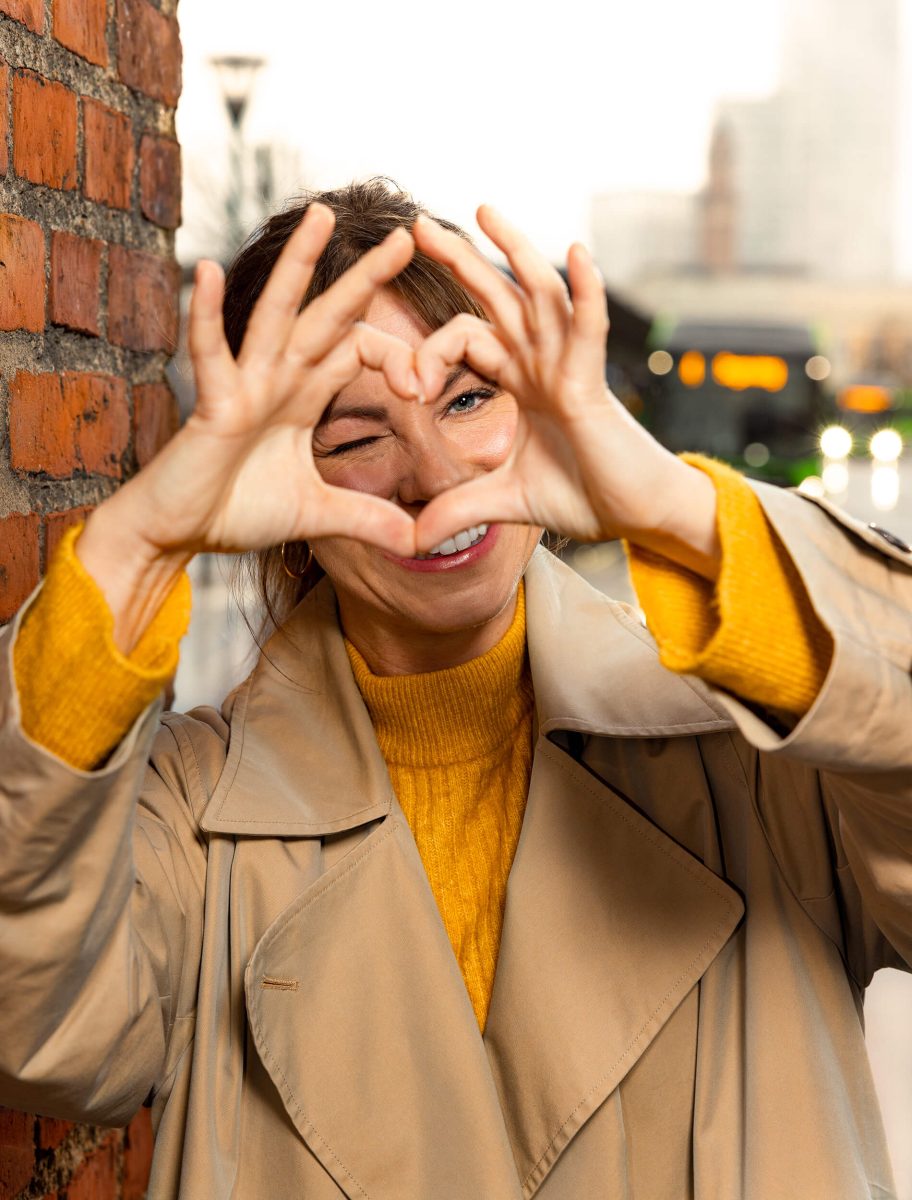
<point x="376" y="592"/>
<point x="455" y="613"/>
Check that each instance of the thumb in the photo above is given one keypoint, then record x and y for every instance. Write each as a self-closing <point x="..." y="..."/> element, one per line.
<point x="489" y="499"/>
<point x="348" y="513"/>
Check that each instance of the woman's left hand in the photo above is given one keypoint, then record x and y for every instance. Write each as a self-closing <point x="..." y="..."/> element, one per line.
<point x="580" y="464"/>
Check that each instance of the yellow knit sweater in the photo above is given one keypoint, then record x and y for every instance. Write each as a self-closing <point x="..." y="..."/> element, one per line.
<point x="458" y="745"/>
<point x="457" y="742"/>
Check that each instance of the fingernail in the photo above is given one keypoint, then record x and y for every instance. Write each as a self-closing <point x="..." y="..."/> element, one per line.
<point x="414" y="384"/>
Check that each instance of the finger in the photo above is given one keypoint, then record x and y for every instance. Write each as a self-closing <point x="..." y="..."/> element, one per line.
<point x="464" y="339"/>
<point x="500" y="297"/>
<point x="585" y="353"/>
<point x="542" y="284"/>
<point x="363" y="346"/>
<point x="344" y="512"/>
<point x="274" y="313"/>
<point x="329" y="317"/>
<point x="213" y="364"/>
<point x="486" y="500"/>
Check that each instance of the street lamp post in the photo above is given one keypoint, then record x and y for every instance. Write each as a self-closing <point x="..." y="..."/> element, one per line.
<point x="237" y="75"/>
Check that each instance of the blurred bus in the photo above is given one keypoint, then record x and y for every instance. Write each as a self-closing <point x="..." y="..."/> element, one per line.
<point x="753" y="394"/>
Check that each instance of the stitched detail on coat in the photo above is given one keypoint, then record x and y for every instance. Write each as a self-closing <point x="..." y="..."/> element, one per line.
<point x="279" y="985"/>
<point x="675" y="986"/>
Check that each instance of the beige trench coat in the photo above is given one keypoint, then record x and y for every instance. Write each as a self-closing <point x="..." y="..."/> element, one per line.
<point x="692" y="916"/>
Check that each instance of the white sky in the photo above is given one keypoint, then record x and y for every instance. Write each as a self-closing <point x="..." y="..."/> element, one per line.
<point x="530" y="107"/>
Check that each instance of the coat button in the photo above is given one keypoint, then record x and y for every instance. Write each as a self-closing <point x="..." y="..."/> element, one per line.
<point x="891" y="538"/>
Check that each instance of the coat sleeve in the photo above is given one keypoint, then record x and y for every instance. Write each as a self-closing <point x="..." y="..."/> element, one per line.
<point x="101" y="894"/>
<point x="853" y="749"/>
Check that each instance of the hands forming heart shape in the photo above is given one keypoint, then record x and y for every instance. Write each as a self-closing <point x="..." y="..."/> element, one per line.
<point x="241" y="474"/>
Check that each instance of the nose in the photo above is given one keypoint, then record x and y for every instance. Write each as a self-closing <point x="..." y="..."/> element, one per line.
<point x="433" y="465"/>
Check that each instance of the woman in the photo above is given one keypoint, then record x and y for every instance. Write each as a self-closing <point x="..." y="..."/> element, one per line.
<point x="459" y="793"/>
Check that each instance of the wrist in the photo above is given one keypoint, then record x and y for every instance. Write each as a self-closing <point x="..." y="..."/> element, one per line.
<point x="133" y="575"/>
<point x="683" y="527"/>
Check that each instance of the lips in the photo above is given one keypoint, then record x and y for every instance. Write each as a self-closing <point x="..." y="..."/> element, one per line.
<point x="448" y="556"/>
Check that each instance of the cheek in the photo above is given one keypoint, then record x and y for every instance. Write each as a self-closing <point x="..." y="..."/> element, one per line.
<point x="487" y="441"/>
<point x="377" y="473"/>
<point x="341" y="558"/>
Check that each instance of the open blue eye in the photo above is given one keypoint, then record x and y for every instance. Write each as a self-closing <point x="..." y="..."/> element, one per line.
<point x="469" y="401"/>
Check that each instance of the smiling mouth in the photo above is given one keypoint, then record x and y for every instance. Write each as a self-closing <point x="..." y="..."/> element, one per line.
<point x="456" y="544"/>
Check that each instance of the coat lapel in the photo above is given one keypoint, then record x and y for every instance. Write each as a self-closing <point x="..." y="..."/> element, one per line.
<point x="360" y="1015"/>
<point x="609" y="922"/>
<point x="608" y="925"/>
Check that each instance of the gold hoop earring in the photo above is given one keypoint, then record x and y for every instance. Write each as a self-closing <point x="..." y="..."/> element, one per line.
<point x="297" y="574"/>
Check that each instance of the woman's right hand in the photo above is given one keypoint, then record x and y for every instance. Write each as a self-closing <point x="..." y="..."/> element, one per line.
<point x="240" y="474"/>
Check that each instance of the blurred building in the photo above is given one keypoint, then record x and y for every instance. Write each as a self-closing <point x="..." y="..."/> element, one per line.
<point x="813" y="168"/>
<point x="801" y="183"/>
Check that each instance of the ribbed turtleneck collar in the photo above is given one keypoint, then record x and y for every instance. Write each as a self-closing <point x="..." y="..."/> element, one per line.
<point x="453" y="715"/>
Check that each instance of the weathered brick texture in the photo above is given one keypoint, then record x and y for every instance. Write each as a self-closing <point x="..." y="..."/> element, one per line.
<point x="29" y="12"/>
<point x="75" y="283"/>
<point x="21" y="274"/>
<point x="4" y="118"/>
<point x="148" y="50"/>
<point x="160" y="180"/>
<point x="44" y="131"/>
<point x="80" y="26"/>
<point x="90" y="186"/>
<point x="109" y="155"/>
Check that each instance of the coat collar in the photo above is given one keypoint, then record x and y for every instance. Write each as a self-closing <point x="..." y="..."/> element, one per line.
<point x="302" y="758"/>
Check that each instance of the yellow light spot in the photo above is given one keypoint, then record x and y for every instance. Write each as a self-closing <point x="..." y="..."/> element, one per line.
<point x="692" y="369"/>
<point x="741" y="371"/>
<point x="865" y="399"/>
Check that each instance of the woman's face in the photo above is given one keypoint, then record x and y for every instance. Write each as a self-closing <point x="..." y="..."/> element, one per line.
<point x="371" y="440"/>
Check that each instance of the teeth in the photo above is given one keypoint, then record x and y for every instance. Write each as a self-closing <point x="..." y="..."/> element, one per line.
<point x="460" y="541"/>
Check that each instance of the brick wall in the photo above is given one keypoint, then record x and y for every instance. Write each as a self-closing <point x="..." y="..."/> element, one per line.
<point x="89" y="200"/>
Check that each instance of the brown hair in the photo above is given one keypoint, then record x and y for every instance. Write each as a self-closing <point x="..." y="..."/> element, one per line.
<point x="365" y="213"/>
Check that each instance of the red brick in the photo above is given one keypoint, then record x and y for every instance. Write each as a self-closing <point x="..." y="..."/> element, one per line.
<point x="56" y="525"/>
<point x="19" y="573"/>
<point x="4" y="119"/>
<point x="62" y="424"/>
<point x="80" y="26"/>
<point x="160" y="180"/>
<point x="29" y="12"/>
<point x="155" y="419"/>
<point x="75" y="282"/>
<point x="44" y="131"/>
<point x="137" y="1157"/>
<point x="51" y="1132"/>
<point x="109" y="155"/>
<point x="149" y="51"/>
<point x="97" y="1176"/>
<point x="142" y="300"/>
<point x="21" y="274"/>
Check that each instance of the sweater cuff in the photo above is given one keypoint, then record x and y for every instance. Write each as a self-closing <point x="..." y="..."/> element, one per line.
<point x="754" y="632"/>
<point x="79" y="695"/>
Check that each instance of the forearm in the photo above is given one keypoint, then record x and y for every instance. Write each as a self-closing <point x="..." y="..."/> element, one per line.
<point x="134" y="578"/>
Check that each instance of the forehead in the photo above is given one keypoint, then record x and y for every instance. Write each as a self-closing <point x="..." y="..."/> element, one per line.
<point x="388" y="312"/>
